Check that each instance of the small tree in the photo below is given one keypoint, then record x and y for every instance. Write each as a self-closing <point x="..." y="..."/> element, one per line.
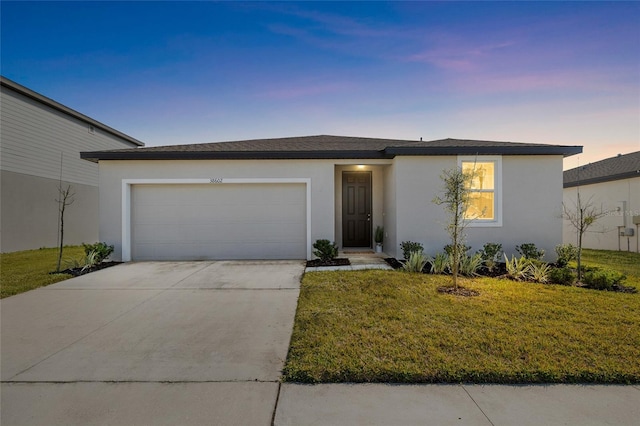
<point x="65" y="199"/>
<point x="582" y="216"/>
<point x="456" y="198"/>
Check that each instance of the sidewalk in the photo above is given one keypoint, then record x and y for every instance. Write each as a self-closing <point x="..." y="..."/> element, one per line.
<point x="381" y="404"/>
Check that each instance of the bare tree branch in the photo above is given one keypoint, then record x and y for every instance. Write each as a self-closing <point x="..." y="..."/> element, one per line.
<point x="582" y="216"/>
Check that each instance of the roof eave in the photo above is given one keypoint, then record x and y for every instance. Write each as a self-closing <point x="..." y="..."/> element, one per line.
<point x="602" y="179"/>
<point x="96" y="156"/>
<point x="565" y="151"/>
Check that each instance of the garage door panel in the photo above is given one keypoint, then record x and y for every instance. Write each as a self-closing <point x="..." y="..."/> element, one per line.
<point x="229" y="221"/>
<point x="219" y="232"/>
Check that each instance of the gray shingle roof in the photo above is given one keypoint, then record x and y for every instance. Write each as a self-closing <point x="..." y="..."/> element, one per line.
<point x="614" y="168"/>
<point x="327" y="146"/>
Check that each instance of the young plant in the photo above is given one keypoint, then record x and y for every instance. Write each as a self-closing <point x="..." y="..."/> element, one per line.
<point x="566" y="253"/>
<point x="490" y="254"/>
<point x="562" y="276"/>
<point x="89" y="260"/>
<point x="530" y="251"/>
<point x="378" y="236"/>
<point x="416" y="262"/>
<point x="325" y="250"/>
<point x="455" y="199"/>
<point x="469" y="265"/>
<point x="603" y="279"/>
<point x="440" y="263"/>
<point x="409" y="247"/>
<point x="463" y="249"/>
<point x="538" y="272"/>
<point x="517" y="267"/>
<point x="101" y="251"/>
<point x="581" y="217"/>
<point x="65" y="200"/>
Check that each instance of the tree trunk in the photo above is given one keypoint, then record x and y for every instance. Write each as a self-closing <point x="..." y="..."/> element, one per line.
<point x="61" y="236"/>
<point x="579" y="256"/>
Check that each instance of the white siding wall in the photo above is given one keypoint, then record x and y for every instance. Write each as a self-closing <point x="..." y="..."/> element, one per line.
<point x="33" y="136"/>
<point x="603" y="235"/>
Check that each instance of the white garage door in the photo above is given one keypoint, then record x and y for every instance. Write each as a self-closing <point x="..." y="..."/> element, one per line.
<point x="224" y="221"/>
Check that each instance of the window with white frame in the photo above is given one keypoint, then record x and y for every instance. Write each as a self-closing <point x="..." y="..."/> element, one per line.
<point x="485" y="206"/>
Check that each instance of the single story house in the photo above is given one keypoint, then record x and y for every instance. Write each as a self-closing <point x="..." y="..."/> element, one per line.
<point x="272" y="198"/>
<point x="612" y="186"/>
<point x="40" y="151"/>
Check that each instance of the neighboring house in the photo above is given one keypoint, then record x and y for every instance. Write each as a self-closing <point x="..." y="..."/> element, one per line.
<point x="272" y="198"/>
<point x="40" y="145"/>
<point x="612" y="186"/>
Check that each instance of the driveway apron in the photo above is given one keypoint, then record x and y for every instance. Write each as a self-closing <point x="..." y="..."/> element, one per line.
<point x="150" y="343"/>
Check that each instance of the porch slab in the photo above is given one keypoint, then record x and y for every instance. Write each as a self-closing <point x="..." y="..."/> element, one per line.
<point x="359" y="260"/>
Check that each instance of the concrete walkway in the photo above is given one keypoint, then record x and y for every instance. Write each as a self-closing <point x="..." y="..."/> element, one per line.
<point x="379" y="404"/>
<point x="200" y="343"/>
<point x="360" y="260"/>
<point x="150" y="343"/>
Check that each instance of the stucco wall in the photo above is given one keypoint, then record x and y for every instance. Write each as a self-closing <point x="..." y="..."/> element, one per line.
<point x="403" y="191"/>
<point x="321" y="173"/>
<point x="29" y="213"/>
<point x="531" y="202"/>
<point x="607" y="197"/>
<point x="390" y="244"/>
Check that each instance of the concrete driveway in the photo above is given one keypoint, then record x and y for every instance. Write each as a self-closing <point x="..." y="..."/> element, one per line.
<point x="150" y="343"/>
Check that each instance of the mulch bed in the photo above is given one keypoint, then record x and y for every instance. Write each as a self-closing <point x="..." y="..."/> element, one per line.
<point x="340" y="261"/>
<point x="460" y="291"/>
<point x="393" y="262"/>
<point x="76" y="272"/>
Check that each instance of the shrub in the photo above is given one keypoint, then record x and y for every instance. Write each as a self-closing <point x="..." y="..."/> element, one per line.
<point x="440" y="263"/>
<point x="566" y="253"/>
<point x="538" y="272"/>
<point x="409" y="247"/>
<point x="325" y="250"/>
<point x="89" y="260"/>
<point x="463" y="249"/>
<point x="469" y="265"/>
<point x="416" y="262"/>
<point x="562" y="276"/>
<point x="517" y="267"/>
<point x="98" y="252"/>
<point x="490" y="254"/>
<point x="603" y="279"/>
<point x="530" y="251"/>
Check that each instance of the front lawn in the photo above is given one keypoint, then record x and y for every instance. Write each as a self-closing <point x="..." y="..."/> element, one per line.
<point x="391" y="326"/>
<point x="25" y="270"/>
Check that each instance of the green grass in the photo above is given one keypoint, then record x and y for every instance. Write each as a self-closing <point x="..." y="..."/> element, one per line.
<point x="621" y="261"/>
<point x="389" y="326"/>
<point x="25" y="270"/>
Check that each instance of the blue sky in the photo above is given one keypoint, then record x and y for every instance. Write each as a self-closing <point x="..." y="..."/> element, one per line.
<point x="191" y="72"/>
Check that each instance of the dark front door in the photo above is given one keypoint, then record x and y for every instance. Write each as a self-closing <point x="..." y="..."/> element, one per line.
<point x="356" y="209"/>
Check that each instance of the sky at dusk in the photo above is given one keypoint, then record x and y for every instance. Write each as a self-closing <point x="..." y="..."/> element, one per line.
<point x="191" y="72"/>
